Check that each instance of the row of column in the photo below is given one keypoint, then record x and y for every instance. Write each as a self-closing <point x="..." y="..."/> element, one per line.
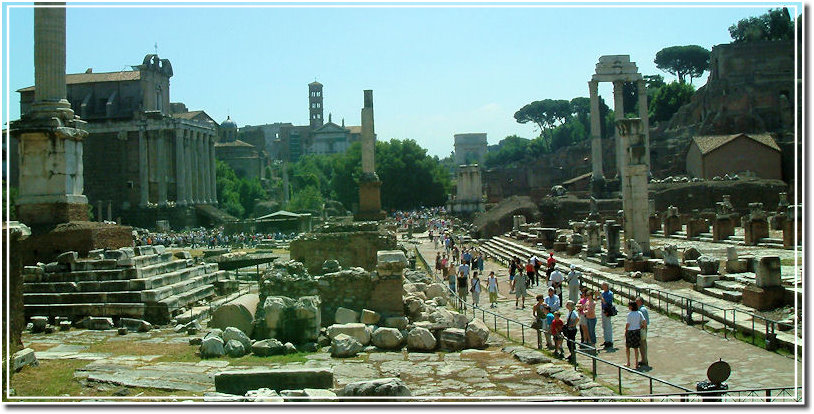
<point x="619" y="113"/>
<point x="194" y="166"/>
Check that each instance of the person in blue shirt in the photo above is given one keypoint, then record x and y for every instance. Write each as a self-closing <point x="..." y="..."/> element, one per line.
<point x="607" y="305"/>
<point x="552" y="300"/>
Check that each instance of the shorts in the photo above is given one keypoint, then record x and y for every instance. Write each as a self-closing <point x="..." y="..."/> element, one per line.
<point x="583" y="320"/>
<point x="633" y="339"/>
<point x="559" y="336"/>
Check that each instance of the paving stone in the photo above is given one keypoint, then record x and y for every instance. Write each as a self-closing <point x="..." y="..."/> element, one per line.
<point x="548" y="370"/>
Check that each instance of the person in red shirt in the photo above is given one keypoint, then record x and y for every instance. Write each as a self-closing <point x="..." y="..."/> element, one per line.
<point x="550" y="265"/>
<point x="556" y="332"/>
<point x="529" y="274"/>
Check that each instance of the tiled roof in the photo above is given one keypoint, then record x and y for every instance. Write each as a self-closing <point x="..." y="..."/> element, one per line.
<point x="187" y="115"/>
<point x="235" y="143"/>
<point x="709" y="143"/>
<point x="76" y="78"/>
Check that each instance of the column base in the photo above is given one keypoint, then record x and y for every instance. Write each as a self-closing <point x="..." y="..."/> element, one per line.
<point x="370" y="202"/>
<point x="51" y="213"/>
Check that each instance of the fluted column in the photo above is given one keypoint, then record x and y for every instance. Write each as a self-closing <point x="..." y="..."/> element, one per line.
<point x="596" y="130"/>
<point x="643" y="114"/>
<point x="212" y="168"/>
<point x="163" y="167"/>
<point x="199" y="145"/>
<point x="143" y="173"/>
<point x="180" y="166"/>
<point x="196" y="176"/>
<point x="189" y="167"/>
<point x="619" y="113"/>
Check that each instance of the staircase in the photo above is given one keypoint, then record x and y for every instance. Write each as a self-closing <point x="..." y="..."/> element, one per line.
<point x="145" y="283"/>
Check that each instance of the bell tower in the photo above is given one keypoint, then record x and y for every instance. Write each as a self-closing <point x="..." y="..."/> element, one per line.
<point x="315" y="107"/>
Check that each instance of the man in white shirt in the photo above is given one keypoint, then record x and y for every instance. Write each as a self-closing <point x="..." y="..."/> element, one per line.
<point x="555" y="281"/>
<point x="643" y="342"/>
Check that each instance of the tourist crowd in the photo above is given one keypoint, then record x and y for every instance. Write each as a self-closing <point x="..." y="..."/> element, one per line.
<point x="211" y="238"/>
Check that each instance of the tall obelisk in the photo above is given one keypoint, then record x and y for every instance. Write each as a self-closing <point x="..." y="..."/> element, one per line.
<point x="370" y="202"/>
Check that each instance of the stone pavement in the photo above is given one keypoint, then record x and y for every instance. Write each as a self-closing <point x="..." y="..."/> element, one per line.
<point x="678" y="353"/>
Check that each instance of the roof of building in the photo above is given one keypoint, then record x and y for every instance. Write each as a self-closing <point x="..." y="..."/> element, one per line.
<point x="76" y="78"/>
<point x="228" y="123"/>
<point x="709" y="143"/>
<point x="314" y="83"/>
<point x="194" y="116"/>
<point x="282" y="214"/>
<point x="235" y="143"/>
<point x="354" y="129"/>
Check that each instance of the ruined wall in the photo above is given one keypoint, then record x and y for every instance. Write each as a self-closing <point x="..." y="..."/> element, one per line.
<point x="704" y="195"/>
<point x="351" y="248"/>
<point x="740" y="155"/>
<point x="498" y="219"/>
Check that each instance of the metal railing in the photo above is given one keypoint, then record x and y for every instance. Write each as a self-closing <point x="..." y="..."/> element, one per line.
<point x="685" y="307"/>
<point x="750" y="395"/>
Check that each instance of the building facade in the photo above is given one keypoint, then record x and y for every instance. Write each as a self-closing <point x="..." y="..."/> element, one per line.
<point x="718" y="155"/>
<point x="470" y="148"/>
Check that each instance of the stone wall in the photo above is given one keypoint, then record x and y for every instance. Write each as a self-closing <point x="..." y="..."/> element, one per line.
<point x="344" y="243"/>
<point x="704" y="195"/>
<point x="80" y="237"/>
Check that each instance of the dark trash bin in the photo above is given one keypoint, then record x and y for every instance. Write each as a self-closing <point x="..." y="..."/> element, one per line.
<point x="712" y="392"/>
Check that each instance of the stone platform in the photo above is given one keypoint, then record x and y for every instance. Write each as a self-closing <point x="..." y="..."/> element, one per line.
<point x="145" y="282"/>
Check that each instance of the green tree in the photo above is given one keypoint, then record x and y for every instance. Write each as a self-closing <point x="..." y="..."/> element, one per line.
<point x="567" y="134"/>
<point x="510" y="151"/>
<point x="547" y="114"/>
<point x="226" y="184"/>
<point x="410" y="178"/>
<point x="581" y="109"/>
<point x="668" y="99"/>
<point x="776" y="24"/>
<point x="249" y="193"/>
<point x="306" y="200"/>
<point x="683" y="61"/>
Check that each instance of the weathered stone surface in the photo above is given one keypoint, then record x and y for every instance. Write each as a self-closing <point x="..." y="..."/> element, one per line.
<point x="135" y="325"/>
<point x="183" y="254"/>
<point x="383" y="387"/>
<point x="65" y="325"/>
<point x="68" y="258"/>
<point x="388" y="338"/>
<point x="569" y="376"/>
<point x="290" y="348"/>
<point x="196" y="341"/>
<point x="214" y="333"/>
<point x="345" y="315"/>
<point x="435" y="290"/>
<point x="549" y="369"/>
<point x="96" y="323"/>
<point x="708" y="265"/>
<point x="23" y="358"/>
<point x="292" y="320"/>
<point x="357" y="331"/>
<point x="212" y="347"/>
<point x="318" y="395"/>
<point x="596" y="392"/>
<point x="731" y="253"/>
<point x="670" y="255"/>
<point x="268" y="347"/>
<point x="343" y="346"/>
<point x="38" y="323"/>
<point x="768" y="272"/>
<point x="390" y="261"/>
<point x="240" y="382"/>
<point x="691" y="253"/>
<point x="528" y="356"/>
<point x="238" y="313"/>
<point x="369" y="317"/>
<point x="476" y="334"/>
<point x="420" y="339"/>
<point x="452" y="339"/>
<point x="263" y="395"/>
<point x="706" y="281"/>
<point x="222" y="397"/>
<point x="234" y="334"/>
<point x="234" y="348"/>
<point x="122" y="331"/>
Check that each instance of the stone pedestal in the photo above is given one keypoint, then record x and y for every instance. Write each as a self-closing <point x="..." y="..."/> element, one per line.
<point x="386" y="298"/>
<point x="635" y="265"/>
<point x="666" y="273"/>
<point x="612" y="239"/>
<point x="763" y="299"/>
<point x="672" y="225"/>
<point x="592" y="230"/>
<point x="696" y="226"/>
<point x="653" y="223"/>
<point x="722" y="228"/>
<point x="547" y="236"/>
<point x="14" y="236"/>
<point x="370" y="202"/>
<point x="754" y="230"/>
<point x="789" y="233"/>
<point x="767" y="273"/>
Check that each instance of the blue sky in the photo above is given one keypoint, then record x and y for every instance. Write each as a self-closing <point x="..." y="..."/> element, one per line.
<point x="434" y="71"/>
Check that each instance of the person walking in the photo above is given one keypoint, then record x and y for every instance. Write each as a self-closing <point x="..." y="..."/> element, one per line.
<point x="463" y="281"/>
<point x="520" y="289"/>
<point x="635" y="322"/>
<point x="480" y="262"/>
<point x="643" y="330"/>
<point x="492" y="288"/>
<point x="573" y="284"/>
<point x="512" y="273"/>
<point x="608" y="311"/>
<point x="529" y="274"/>
<point x="449" y="274"/>
<point x="475" y="289"/>
<point x="536" y="262"/>
<point x="555" y="281"/>
<point x="571" y="323"/>
<point x="437" y="262"/>
<point x="538" y="312"/>
<point x="590" y="315"/>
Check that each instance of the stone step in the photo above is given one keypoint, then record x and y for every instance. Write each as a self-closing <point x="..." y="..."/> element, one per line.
<point x="81" y="297"/>
<point x="90" y="265"/>
<point x="160" y="268"/>
<point x="155" y="295"/>
<point x="171" y="277"/>
<point x="90" y="275"/>
<point x="76" y="311"/>
<point x="150" y="259"/>
<point x="161" y="312"/>
<point x="728" y="285"/>
<point x="736" y="238"/>
<point x="729" y="295"/>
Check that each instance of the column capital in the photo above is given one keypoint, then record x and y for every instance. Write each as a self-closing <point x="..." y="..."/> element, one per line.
<point x="593" y="87"/>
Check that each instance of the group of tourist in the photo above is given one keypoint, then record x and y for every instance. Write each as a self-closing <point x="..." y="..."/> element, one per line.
<point x="203" y="238"/>
<point x="456" y="266"/>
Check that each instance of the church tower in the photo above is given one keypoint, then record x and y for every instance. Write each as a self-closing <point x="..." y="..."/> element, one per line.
<point x="315" y="104"/>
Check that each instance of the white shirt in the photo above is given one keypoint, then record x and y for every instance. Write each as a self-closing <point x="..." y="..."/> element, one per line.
<point x="493" y="284"/>
<point x="556" y="276"/>
<point x="634" y="319"/>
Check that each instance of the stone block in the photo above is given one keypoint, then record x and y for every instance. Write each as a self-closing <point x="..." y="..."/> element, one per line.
<point x="663" y="273"/>
<point x="768" y="272"/>
<point x="68" y="258"/>
<point x="240" y="382"/>
<point x="212" y="347"/>
<point x="344" y="346"/>
<point x="268" y="347"/>
<point x="345" y="315"/>
<point x="23" y="358"/>
<point x="691" y="254"/>
<point x="398" y="322"/>
<point x="705" y="281"/>
<point x="96" y="323"/>
<point x="38" y="323"/>
<point x="144" y="250"/>
<point x="354" y="330"/>
<point x="736" y="266"/>
<point x="763" y="299"/>
<point x="708" y="265"/>
<point x="65" y="325"/>
<point x="421" y="339"/>
<point x="234" y="334"/>
<point x="477" y="333"/>
<point x="370" y="317"/>
<point x="384" y="387"/>
<point x="135" y="325"/>
<point x="452" y="339"/>
<point x="183" y="254"/>
<point x="263" y="395"/>
<point x="234" y="348"/>
<point x="387" y="338"/>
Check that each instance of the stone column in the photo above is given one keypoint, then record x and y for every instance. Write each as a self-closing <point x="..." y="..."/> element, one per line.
<point x="370" y="203"/>
<point x="596" y="131"/>
<point x="634" y="185"/>
<point x="368" y="137"/>
<point x="212" y="167"/>
<point x="180" y="168"/>
<point x="109" y="210"/>
<point x="199" y="144"/>
<point x="143" y="175"/>
<point x="49" y="63"/>
<point x="189" y="168"/>
<point x="196" y="167"/>
<point x="99" y="217"/>
<point x="162" y="167"/>
<point x="619" y="113"/>
<point x="643" y="114"/>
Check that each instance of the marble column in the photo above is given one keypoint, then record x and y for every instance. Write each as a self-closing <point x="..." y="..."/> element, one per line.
<point x="634" y="185"/>
<point x="643" y="115"/>
<point x="368" y="137"/>
<point x="162" y="166"/>
<point x="212" y="167"/>
<point x="199" y="146"/>
<point x="596" y="131"/>
<point x="189" y="167"/>
<point x="143" y="165"/>
<point x="180" y="166"/>
<point x="619" y="113"/>
<point x="50" y="91"/>
<point x="196" y="168"/>
<point x="205" y="169"/>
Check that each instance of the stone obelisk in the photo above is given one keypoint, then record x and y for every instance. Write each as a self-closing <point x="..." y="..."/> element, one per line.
<point x="50" y="137"/>
<point x="370" y="202"/>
